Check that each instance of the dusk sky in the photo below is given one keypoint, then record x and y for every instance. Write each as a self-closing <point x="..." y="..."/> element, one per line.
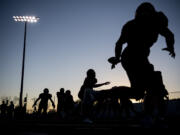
<point x="71" y="37"/>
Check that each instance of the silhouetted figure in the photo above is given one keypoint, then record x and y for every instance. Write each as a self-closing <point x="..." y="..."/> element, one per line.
<point x="87" y="94"/>
<point x="111" y="107"/>
<point x="10" y="110"/>
<point x="156" y="97"/>
<point x="140" y="34"/>
<point x="123" y="93"/>
<point x="68" y="104"/>
<point x="61" y="99"/>
<point x="127" y="106"/>
<point x="44" y="97"/>
<point x="99" y="108"/>
<point x="3" y="109"/>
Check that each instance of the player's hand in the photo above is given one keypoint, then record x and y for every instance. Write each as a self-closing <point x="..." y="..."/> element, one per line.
<point x="114" y="61"/>
<point x="106" y="83"/>
<point x="113" y="66"/>
<point x="171" y="52"/>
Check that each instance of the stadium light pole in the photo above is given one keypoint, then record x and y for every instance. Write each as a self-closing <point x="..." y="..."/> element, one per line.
<point x="25" y="19"/>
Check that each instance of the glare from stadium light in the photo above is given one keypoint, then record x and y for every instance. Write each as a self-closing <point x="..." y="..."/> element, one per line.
<point x="31" y="19"/>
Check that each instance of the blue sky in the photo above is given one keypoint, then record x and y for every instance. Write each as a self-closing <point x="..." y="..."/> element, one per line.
<point x="71" y="37"/>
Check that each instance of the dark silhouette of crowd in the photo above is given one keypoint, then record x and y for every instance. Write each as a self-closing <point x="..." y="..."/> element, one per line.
<point x="100" y="108"/>
<point x="7" y="110"/>
<point x="65" y="104"/>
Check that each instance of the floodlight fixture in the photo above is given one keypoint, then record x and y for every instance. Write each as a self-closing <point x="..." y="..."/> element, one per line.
<point x="25" y="19"/>
<point x="31" y="19"/>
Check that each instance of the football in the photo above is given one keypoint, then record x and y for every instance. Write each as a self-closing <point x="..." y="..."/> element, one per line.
<point x="113" y="60"/>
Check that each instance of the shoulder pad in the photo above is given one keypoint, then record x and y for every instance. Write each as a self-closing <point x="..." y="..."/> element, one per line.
<point x="163" y="20"/>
